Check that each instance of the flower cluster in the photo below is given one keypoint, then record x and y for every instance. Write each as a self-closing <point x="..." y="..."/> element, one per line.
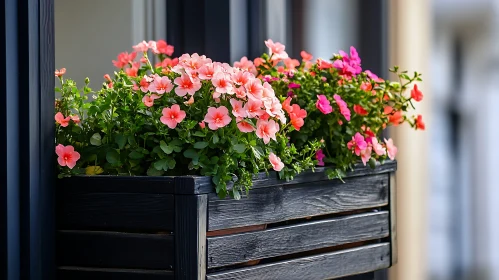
<point x="185" y="115"/>
<point x="347" y="107"/>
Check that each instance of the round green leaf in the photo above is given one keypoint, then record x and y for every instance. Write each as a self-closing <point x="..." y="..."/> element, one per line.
<point x="200" y="145"/>
<point x="96" y="139"/>
<point x="112" y="156"/>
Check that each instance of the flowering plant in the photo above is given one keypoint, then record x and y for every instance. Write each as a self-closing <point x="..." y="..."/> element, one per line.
<point x="186" y="115"/>
<point x="346" y="106"/>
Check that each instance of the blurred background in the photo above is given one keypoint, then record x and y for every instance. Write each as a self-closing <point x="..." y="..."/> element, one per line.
<point x="448" y="199"/>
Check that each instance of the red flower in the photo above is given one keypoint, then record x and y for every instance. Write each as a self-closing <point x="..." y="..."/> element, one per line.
<point x="416" y="94"/>
<point x="360" y="110"/>
<point x="419" y="123"/>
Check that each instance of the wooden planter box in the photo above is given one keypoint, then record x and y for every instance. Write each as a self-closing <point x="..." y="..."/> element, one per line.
<point x="147" y="228"/>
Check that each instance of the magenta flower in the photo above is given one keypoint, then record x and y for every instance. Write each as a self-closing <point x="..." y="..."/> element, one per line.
<point x="343" y="106"/>
<point x="357" y="143"/>
<point x="67" y="155"/>
<point x="217" y="117"/>
<point x="320" y="157"/>
<point x="293" y="85"/>
<point x="323" y="104"/>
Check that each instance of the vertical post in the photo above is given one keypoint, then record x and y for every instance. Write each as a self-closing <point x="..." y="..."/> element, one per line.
<point x="190" y="235"/>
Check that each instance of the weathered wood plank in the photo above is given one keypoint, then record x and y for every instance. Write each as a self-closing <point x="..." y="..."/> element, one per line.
<point x="281" y="203"/>
<point x="239" y="248"/>
<point x="324" y="266"/>
<point x="117" y="184"/>
<point x="393" y="220"/>
<point x="115" y="249"/>
<point x="190" y="242"/>
<point x="81" y="273"/>
<point x="115" y="211"/>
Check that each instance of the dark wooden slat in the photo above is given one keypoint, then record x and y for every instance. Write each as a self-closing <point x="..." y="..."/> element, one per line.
<point x="239" y="248"/>
<point x="281" y="203"/>
<point x="115" y="249"/>
<point x="116" y="184"/>
<point x="190" y="242"/>
<point x="80" y="273"/>
<point x="324" y="266"/>
<point x="115" y="211"/>
<point x="393" y="220"/>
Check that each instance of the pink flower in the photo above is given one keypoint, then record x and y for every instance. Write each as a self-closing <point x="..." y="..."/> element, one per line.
<point x="186" y="85"/>
<point x="207" y="71"/>
<point x="75" y="118"/>
<point x="293" y="85"/>
<point x="141" y="47"/>
<point x="286" y="105"/>
<point x="276" y="50"/>
<point x="305" y="56"/>
<point x="59" y="118"/>
<point x="217" y="117"/>
<point x="291" y="64"/>
<point x="222" y="84"/>
<point x="276" y="162"/>
<point x="377" y="147"/>
<point x="320" y="157"/>
<point x="172" y="116"/>
<point x="266" y="130"/>
<point x="240" y="92"/>
<point x="254" y="89"/>
<point x="148" y="100"/>
<point x="132" y="71"/>
<point x="241" y="77"/>
<point x="144" y="84"/>
<point x="359" y="110"/>
<point x="357" y="143"/>
<point x="365" y="155"/>
<point x="323" y="104"/>
<point x="374" y="77"/>
<point x="245" y="64"/>
<point x="161" y="85"/>
<point x="322" y="64"/>
<point x="419" y="123"/>
<point x="297" y="116"/>
<point x="253" y="108"/>
<point x="124" y="58"/>
<point x="245" y="127"/>
<point x="202" y="124"/>
<point x="163" y="47"/>
<point x="59" y="73"/>
<point x="416" y="94"/>
<point x="67" y="155"/>
<point x="391" y="149"/>
<point x="237" y="108"/>
<point x="343" y="106"/>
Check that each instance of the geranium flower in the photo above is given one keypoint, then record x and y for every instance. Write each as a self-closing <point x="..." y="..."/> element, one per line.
<point x="60" y="119"/>
<point x="186" y="85"/>
<point x="246" y="64"/>
<point x="160" y="85"/>
<point x="172" y="116"/>
<point x="67" y="156"/>
<point x="416" y="94"/>
<point x="395" y="118"/>
<point x="266" y="130"/>
<point x="323" y="104"/>
<point x="133" y="70"/>
<point x="276" y="162"/>
<point x="237" y="108"/>
<point x="286" y="105"/>
<point x="377" y="147"/>
<point x="163" y="47"/>
<point x="297" y="115"/>
<point x="291" y="63"/>
<point x="245" y="127"/>
<point x="141" y="47"/>
<point x="253" y="108"/>
<point x="254" y="89"/>
<point x="322" y="64"/>
<point x="365" y="155"/>
<point x="222" y="84"/>
<point x="217" y="117"/>
<point x="343" y="106"/>
<point x="357" y="143"/>
<point x="276" y="50"/>
<point x="207" y="71"/>
<point x="124" y="59"/>
<point x="148" y="100"/>
<point x="75" y="119"/>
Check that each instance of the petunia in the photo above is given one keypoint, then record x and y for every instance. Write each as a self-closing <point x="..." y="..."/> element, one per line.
<point x="319" y="156"/>
<point x="377" y="147"/>
<point x="141" y="47"/>
<point x="186" y="85"/>
<point x="217" y="117"/>
<point x="357" y="144"/>
<point x="59" y="118"/>
<point x="293" y="85"/>
<point x="419" y="123"/>
<point x="133" y="70"/>
<point x="144" y="83"/>
<point x="172" y="116"/>
<point x="395" y="118"/>
<point x="322" y="64"/>
<point x="286" y="105"/>
<point x="207" y="71"/>
<point x="343" y="106"/>
<point x="148" y="100"/>
<point x="246" y="64"/>
<point x="67" y="156"/>
<point x="416" y="94"/>
<point x="276" y="162"/>
<point x="365" y="155"/>
<point x="266" y="130"/>
<point x="161" y="85"/>
<point x="124" y="59"/>
<point x="323" y="104"/>
<point x="276" y="50"/>
<point x="391" y="149"/>
<point x="291" y="64"/>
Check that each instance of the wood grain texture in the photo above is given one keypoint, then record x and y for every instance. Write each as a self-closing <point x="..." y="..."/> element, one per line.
<point x="281" y="203"/>
<point x="190" y="240"/>
<point x="80" y="273"/>
<point x="324" y="266"/>
<point x="239" y="248"/>
<point x="142" y="212"/>
<point x="115" y="249"/>
<point x="116" y="184"/>
<point x="393" y="220"/>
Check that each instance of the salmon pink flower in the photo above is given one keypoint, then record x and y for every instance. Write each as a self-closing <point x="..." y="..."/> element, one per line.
<point x="60" y="72"/>
<point x="395" y="118"/>
<point x="246" y="64"/>
<point x="391" y="149"/>
<point x="387" y="110"/>
<point x="163" y="47"/>
<point x="360" y="110"/>
<point x="190" y="101"/>
<point x="419" y="123"/>
<point x="59" y="118"/>
<point x="253" y="108"/>
<point x="365" y="155"/>
<point x="75" y="119"/>
<point x="67" y="156"/>
<point x="323" y="104"/>
<point x="297" y="115"/>
<point x="286" y="105"/>
<point x="322" y="64"/>
<point x="291" y="64"/>
<point x="245" y="127"/>
<point x="377" y="147"/>
<point x="319" y="156"/>
<point x="366" y="86"/>
<point x="148" y="100"/>
<point x="144" y="84"/>
<point x="276" y="50"/>
<point x="172" y="116"/>
<point x="207" y="71"/>
<point x="241" y="77"/>
<point x="202" y="124"/>
<point x="268" y="91"/>
<point x="160" y="85"/>
<point x="107" y="78"/>
<point x="132" y="71"/>
<point x="254" y="89"/>
<point x="343" y="106"/>
<point x="186" y="85"/>
<point x="266" y="130"/>
<point x="357" y="143"/>
<point x="237" y="108"/>
<point x="217" y="117"/>
<point x="222" y="84"/>
<point x="305" y="56"/>
<point x="141" y="47"/>
<point x="416" y="94"/>
<point x="240" y="92"/>
<point x="276" y="162"/>
<point x="124" y="59"/>
<point x="258" y="61"/>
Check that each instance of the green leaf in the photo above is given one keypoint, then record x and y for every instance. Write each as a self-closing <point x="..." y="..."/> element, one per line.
<point x="191" y="153"/>
<point x="120" y="139"/>
<point x="240" y="148"/>
<point x="135" y="155"/>
<point x="160" y="164"/>
<point x="112" y="156"/>
<point x="215" y="138"/>
<point x="96" y="140"/>
<point x="154" y="172"/>
<point x="166" y="148"/>
<point x="200" y="145"/>
<point x="199" y="134"/>
<point x="258" y="152"/>
<point x="131" y="140"/>
<point x="171" y="163"/>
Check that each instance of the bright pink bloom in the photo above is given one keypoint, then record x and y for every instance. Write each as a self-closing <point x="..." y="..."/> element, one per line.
<point x="343" y="106"/>
<point x="320" y="157"/>
<point x="67" y="155"/>
<point x="293" y="85"/>
<point x="254" y="108"/>
<point x="357" y="143"/>
<point x="202" y="124"/>
<point x="291" y="64"/>
<point x="186" y="85"/>
<point x="217" y="117"/>
<point x="391" y="149"/>
<point x="305" y="56"/>
<point x="124" y="58"/>
<point x="322" y="64"/>
<point x="365" y="155"/>
<point x="59" y="73"/>
<point x="359" y="110"/>
<point x="172" y="116"/>
<point x="254" y="89"/>
<point x="377" y="147"/>
<point x="59" y="118"/>
<point x="266" y="130"/>
<point x="323" y="104"/>
<point x="222" y="84"/>
<point x="373" y="76"/>
<point x="163" y="47"/>
<point x="416" y="94"/>
<point x="144" y="84"/>
<point x="348" y="65"/>
<point x="276" y="162"/>
<point x="237" y="108"/>
<point x="161" y="85"/>
<point x="148" y="100"/>
<point x="245" y="126"/>
<point x="276" y="50"/>
<point x="141" y="47"/>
